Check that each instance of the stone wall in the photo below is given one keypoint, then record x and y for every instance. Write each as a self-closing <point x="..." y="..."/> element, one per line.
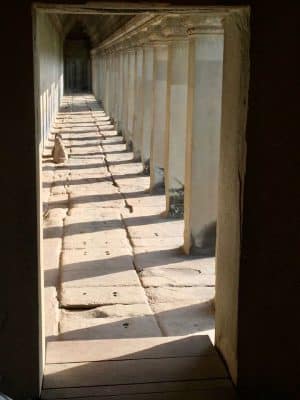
<point x="49" y="64"/>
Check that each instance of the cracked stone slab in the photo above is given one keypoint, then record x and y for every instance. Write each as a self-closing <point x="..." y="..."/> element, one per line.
<point x="115" y="157"/>
<point x="170" y="261"/>
<point x="176" y="277"/>
<point x="86" y="297"/>
<point x="185" y="319"/>
<point x="195" y="294"/>
<point x="75" y="327"/>
<point x="97" y="268"/>
<point x="158" y="230"/>
<point x="58" y="201"/>
<point x="95" y="213"/>
<point x="123" y="169"/>
<point x="147" y="245"/>
<point x="95" y="239"/>
<point x="91" y="188"/>
<point x="112" y="200"/>
<point x="148" y="201"/>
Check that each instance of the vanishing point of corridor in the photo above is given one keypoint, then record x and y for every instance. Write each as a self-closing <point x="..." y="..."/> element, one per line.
<point x="114" y="268"/>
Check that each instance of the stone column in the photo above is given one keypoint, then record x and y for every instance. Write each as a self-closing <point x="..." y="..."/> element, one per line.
<point x="160" y="98"/>
<point x="231" y="190"/>
<point x="113" y="80"/>
<point x="102" y="75"/>
<point x="125" y="93"/>
<point x="203" y="134"/>
<point x="130" y="97"/>
<point x="176" y="117"/>
<point x="119" y="88"/>
<point x="148" y="104"/>
<point x="139" y="100"/>
<point x="107" y="82"/>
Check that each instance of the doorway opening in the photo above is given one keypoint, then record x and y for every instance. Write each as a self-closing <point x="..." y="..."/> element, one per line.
<point x="77" y="64"/>
<point x="131" y="202"/>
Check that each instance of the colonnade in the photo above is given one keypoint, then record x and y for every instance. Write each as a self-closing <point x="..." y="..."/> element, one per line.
<point x="161" y="83"/>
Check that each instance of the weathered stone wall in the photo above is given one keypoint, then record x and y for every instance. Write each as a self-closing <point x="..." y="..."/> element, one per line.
<point x="49" y="79"/>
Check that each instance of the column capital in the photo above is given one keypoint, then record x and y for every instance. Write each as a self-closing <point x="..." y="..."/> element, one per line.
<point x="156" y="36"/>
<point x="204" y="24"/>
<point x="175" y="29"/>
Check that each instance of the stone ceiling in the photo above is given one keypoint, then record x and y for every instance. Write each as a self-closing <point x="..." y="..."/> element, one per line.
<point x="96" y="27"/>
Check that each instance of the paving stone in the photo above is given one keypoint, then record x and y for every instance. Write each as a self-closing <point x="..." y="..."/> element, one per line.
<point x="112" y="200"/>
<point x="75" y="327"/>
<point x="58" y="201"/>
<point x="175" y="277"/>
<point x="97" y="268"/>
<point x="170" y="261"/>
<point x="176" y="294"/>
<point x="158" y="230"/>
<point x="99" y="296"/>
<point x="185" y="319"/>
<point x="85" y="233"/>
<point x="116" y="156"/>
<point x="148" y="201"/>
<point x="96" y="213"/>
<point x="147" y="245"/>
<point x="124" y="169"/>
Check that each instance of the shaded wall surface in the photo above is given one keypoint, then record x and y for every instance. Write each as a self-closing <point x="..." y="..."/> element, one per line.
<point x="268" y="343"/>
<point x="49" y="58"/>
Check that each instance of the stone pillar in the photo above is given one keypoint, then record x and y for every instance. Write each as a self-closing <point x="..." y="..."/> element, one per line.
<point x="177" y="118"/>
<point x="203" y="134"/>
<point x="113" y="80"/>
<point x="125" y="93"/>
<point x="130" y="97"/>
<point x="160" y="98"/>
<point x="231" y="189"/>
<point x="148" y="104"/>
<point x="107" y="81"/>
<point x="138" y="109"/>
<point x="102" y="75"/>
<point x="119" y="93"/>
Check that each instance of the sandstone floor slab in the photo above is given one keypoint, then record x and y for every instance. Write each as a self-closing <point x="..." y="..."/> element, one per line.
<point x="196" y="294"/>
<point x="87" y="297"/>
<point x="76" y="327"/>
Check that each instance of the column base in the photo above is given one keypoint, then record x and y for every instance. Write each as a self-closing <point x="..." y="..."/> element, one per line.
<point x="146" y="167"/>
<point x="157" y="181"/>
<point x="204" y="243"/>
<point x="137" y="156"/>
<point x="129" y="146"/>
<point x="176" y="203"/>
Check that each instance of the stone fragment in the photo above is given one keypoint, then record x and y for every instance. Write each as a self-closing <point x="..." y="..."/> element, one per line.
<point x="59" y="152"/>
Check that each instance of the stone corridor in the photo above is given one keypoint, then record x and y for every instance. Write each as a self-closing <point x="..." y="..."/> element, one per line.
<point x="113" y="262"/>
